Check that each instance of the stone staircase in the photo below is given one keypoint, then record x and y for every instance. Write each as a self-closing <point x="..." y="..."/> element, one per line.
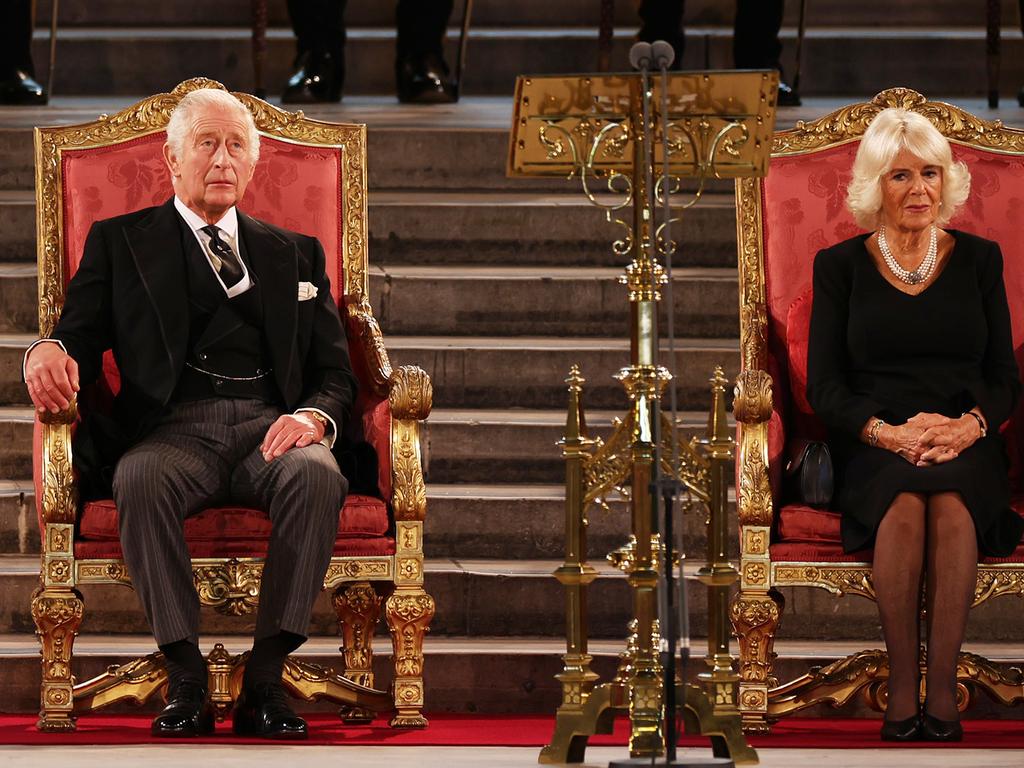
<point x="495" y="287"/>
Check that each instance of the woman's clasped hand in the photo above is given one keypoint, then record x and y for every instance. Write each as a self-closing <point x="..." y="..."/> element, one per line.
<point x="930" y="438"/>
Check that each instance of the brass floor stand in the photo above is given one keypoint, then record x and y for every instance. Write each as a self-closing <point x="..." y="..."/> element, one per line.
<point x="590" y="127"/>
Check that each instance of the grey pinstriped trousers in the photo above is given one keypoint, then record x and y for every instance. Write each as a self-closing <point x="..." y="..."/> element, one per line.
<point x="206" y="453"/>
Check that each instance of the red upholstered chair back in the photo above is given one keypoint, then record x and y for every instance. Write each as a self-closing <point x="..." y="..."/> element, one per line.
<point x="803" y="210"/>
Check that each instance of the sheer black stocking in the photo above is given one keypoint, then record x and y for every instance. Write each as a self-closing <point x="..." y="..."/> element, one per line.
<point x="952" y="547"/>
<point x="897" y="571"/>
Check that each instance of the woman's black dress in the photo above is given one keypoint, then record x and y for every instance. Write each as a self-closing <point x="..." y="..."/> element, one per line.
<point x="876" y="351"/>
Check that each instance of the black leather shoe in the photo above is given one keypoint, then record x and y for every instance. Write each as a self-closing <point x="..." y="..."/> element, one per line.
<point x="263" y="710"/>
<point x="188" y="712"/>
<point x="423" y="79"/>
<point x="318" y="78"/>
<point x="787" y="96"/>
<point x="933" y="729"/>
<point x="17" y="88"/>
<point x="902" y="730"/>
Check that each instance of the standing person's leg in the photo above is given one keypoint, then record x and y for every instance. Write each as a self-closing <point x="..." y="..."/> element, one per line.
<point x="17" y="83"/>
<point x="421" y="73"/>
<point x="663" y="20"/>
<point x="178" y="470"/>
<point x="756" y="44"/>
<point x="896" y="574"/>
<point x="302" y="492"/>
<point x="319" y="27"/>
<point x="952" y="578"/>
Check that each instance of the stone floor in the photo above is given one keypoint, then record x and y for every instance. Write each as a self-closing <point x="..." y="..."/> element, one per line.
<point x="475" y="757"/>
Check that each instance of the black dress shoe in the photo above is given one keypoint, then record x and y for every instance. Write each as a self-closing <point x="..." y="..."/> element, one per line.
<point x="787" y="96"/>
<point x="188" y="712"/>
<point x="263" y="710"/>
<point x="933" y="729"/>
<point x="902" y="730"/>
<point x="318" y="78"/>
<point x="17" y="88"/>
<point x="423" y="79"/>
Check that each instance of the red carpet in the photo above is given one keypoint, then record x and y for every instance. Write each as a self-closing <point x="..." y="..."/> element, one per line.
<point x="504" y="730"/>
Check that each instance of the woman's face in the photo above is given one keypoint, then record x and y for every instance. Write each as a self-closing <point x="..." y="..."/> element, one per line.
<point x="911" y="193"/>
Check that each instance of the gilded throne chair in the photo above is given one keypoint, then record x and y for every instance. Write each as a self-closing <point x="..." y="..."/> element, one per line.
<point x="311" y="177"/>
<point x="782" y="221"/>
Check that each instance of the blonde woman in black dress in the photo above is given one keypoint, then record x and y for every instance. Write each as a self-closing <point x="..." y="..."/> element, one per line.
<point x="911" y="368"/>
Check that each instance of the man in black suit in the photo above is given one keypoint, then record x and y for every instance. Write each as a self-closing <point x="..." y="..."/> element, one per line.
<point x="421" y="74"/>
<point x="235" y="379"/>
<point x="17" y="75"/>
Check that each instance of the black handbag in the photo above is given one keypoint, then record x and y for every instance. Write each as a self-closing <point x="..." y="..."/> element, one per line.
<point x="809" y="477"/>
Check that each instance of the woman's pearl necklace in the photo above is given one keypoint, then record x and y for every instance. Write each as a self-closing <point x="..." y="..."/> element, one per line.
<point x="924" y="269"/>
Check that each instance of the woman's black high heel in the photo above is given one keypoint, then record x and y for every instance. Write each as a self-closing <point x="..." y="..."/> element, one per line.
<point x="902" y="730"/>
<point x="933" y="729"/>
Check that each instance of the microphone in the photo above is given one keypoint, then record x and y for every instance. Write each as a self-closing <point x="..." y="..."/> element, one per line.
<point x="662" y="53"/>
<point x="640" y="56"/>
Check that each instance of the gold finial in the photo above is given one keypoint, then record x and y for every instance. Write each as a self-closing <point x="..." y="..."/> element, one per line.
<point x="575" y="380"/>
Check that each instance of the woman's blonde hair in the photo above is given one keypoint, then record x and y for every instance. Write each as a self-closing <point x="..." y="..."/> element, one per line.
<point x="893" y="130"/>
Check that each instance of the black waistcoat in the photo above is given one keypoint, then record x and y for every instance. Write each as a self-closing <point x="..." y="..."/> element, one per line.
<point x="227" y="351"/>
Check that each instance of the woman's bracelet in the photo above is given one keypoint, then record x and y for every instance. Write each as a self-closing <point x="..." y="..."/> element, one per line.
<point x="876" y="425"/>
<point x="981" y="421"/>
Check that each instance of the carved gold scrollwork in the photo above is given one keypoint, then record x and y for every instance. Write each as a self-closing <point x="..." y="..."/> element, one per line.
<point x="104" y="572"/>
<point x="60" y="499"/>
<point x="411" y="394"/>
<point x="838" y="579"/>
<point x="755" y="620"/>
<point x="57" y="615"/>
<point x="232" y="587"/>
<point x="753" y="398"/>
<point x="409" y="611"/>
<point x="994" y="581"/>
<point x="378" y="364"/>
<point x="352" y="569"/>
<point x="358" y="609"/>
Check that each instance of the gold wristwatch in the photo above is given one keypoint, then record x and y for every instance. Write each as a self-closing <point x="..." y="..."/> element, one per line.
<point x="322" y="419"/>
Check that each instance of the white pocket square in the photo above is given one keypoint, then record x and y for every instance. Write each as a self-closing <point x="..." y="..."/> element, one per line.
<point x="307" y="291"/>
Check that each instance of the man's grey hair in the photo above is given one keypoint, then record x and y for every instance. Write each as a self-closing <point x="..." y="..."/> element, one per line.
<point x="196" y="101"/>
<point x="892" y="130"/>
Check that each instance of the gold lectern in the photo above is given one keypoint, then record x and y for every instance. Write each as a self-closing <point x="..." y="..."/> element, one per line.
<point x="713" y="125"/>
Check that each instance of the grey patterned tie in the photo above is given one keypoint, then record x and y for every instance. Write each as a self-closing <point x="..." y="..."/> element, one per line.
<point x="230" y="269"/>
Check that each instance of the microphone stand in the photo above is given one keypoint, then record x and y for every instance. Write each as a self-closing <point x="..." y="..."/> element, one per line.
<point x="673" y="618"/>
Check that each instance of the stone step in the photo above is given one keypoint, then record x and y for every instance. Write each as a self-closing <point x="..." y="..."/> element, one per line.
<point x="583" y="13"/>
<point x="16" y="442"/>
<point x="509" y="598"/>
<point x="19" y="297"/>
<point x="477" y="521"/>
<point x="100" y="60"/>
<point x="484" y="300"/>
<point x="524" y="228"/>
<point x="461" y="674"/>
<point x="487" y="372"/>
<point x="529" y="228"/>
<point x="474" y="597"/>
<point x="516" y="445"/>
<point x="434" y="300"/>
<point x="19" y="526"/>
<point x="494" y="372"/>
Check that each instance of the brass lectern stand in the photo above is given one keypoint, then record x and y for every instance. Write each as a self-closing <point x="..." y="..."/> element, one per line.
<point x="717" y="125"/>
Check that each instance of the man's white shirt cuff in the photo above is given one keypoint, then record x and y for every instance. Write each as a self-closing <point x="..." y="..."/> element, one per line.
<point x="328" y="439"/>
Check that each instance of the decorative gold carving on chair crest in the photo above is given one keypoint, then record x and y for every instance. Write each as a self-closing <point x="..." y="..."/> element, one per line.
<point x="849" y="123"/>
<point x="232" y="587"/>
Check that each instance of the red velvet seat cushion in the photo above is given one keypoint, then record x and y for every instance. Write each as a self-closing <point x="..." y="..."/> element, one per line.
<point x="806" y="534"/>
<point x="239" y="532"/>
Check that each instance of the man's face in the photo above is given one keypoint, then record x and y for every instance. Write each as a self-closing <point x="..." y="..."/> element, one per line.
<point x="215" y="164"/>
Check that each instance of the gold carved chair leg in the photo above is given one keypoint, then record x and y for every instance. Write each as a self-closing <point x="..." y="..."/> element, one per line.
<point x="358" y="609"/>
<point x="408" y="611"/>
<point x="57" y="614"/>
<point x="755" y="620"/>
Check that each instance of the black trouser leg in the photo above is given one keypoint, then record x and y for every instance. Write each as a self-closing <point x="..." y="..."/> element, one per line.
<point x="421" y="25"/>
<point x="16" y="38"/>
<point x="663" y="20"/>
<point x="319" y="26"/>
<point x="755" y="43"/>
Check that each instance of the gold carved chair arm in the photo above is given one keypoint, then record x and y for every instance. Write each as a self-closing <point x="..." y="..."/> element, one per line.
<point x="752" y="408"/>
<point x="364" y="326"/>
<point x="410" y="396"/>
<point x="59" y="499"/>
